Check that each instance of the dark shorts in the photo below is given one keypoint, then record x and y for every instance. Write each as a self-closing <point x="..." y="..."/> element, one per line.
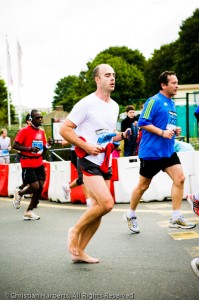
<point x="91" y="169"/>
<point x="75" y="161"/>
<point x="31" y="175"/>
<point x="79" y="180"/>
<point x="73" y="158"/>
<point x="149" y="168"/>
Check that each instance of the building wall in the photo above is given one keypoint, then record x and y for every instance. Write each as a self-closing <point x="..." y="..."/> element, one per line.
<point x="193" y="89"/>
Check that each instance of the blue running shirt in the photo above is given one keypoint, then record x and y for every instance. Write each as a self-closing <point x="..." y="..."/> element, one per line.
<point x="158" y="111"/>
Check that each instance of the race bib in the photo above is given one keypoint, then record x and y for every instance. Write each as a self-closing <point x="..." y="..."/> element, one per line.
<point x="38" y="144"/>
<point x="172" y="120"/>
<point x="4" y="152"/>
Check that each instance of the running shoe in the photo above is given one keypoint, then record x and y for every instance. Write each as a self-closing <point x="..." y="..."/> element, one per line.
<point x="30" y="215"/>
<point x="66" y="189"/>
<point x="17" y="199"/>
<point x="181" y="222"/>
<point x="195" y="266"/>
<point x="132" y="224"/>
<point x="194" y="203"/>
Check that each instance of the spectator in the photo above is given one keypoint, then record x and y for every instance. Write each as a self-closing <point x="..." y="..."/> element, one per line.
<point x="5" y="147"/>
<point x="130" y="122"/>
<point x="116" y="152"/>
<point x="196" y="114"/>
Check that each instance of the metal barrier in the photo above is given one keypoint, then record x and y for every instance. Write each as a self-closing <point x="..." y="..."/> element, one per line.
<point x="54" y="154"/>
<point x="15" y="157"/>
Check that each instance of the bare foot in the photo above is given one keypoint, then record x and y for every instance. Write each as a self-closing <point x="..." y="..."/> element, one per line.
<point x="84" y="258"/>
<point x="72" y="242"/>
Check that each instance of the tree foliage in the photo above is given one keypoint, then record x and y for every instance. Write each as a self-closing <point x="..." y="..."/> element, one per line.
<point x="4" y="105"/>
<point x="132" y="57"/>
<point x="162" y="60"/>
<point x="187" y="64"/>
<point x="130" y="81"/>
<point x="68" y="91"/>
<point x="135" y="77"/>
<point x="180" y="56"/>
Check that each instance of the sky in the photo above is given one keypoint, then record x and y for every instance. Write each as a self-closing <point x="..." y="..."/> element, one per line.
<point x="58" y="37"/>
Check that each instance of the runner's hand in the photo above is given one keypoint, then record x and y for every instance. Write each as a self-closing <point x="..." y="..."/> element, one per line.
<point x="35" y="149"/>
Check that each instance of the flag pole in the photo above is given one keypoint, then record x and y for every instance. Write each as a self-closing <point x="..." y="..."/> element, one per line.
<point x="8" y="100"/>
<point x="19" y="54"/>
<point x="9" y="81"/>
<point x="19" y="111"/>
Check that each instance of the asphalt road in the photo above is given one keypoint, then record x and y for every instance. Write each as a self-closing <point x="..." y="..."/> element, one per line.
<point x="154" y="264"/>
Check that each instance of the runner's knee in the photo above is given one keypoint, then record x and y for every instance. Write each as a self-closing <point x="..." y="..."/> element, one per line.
<point x="179" y="181"/>
<point x="108" y="205"/>
<point x="35" y="187"/>
<point x="144" y="187"/>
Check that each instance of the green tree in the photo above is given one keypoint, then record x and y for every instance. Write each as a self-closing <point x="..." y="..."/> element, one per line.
<point x="135" y="77"/>
<point x="68" y="91"/>
<point x="162" y="60"/>
<point x="187" y="64"/>
<point x="130" y="82"/>
<point x="180" y="56"/>
<point x="132" y="57"/>
<point x="4" y="105"/>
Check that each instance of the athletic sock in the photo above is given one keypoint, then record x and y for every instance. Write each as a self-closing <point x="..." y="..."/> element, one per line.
<point x="196" y="195"/>
<point x="130" y="213"/>
<point x="176" y="214"/>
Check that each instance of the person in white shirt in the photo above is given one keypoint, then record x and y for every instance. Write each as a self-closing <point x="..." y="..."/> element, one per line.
<point x="5" y="147"/>
<point x="95" y="116"/>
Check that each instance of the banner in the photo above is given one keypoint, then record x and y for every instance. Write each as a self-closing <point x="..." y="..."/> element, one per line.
<point x="19" y="55"/>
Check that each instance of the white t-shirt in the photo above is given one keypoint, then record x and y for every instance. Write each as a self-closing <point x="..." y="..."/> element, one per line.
<point x="93" y="118"/>
<point x="4" y="144"/>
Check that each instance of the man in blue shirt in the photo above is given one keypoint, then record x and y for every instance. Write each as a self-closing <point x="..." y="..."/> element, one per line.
<point x="156" y="151"/>
<point x="196" y="114"/>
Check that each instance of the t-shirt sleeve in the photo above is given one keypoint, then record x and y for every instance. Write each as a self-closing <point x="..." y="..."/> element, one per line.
<point x="147" y="113"/>
<point x="20" y="137"/>
<point x="78" y="113"/>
